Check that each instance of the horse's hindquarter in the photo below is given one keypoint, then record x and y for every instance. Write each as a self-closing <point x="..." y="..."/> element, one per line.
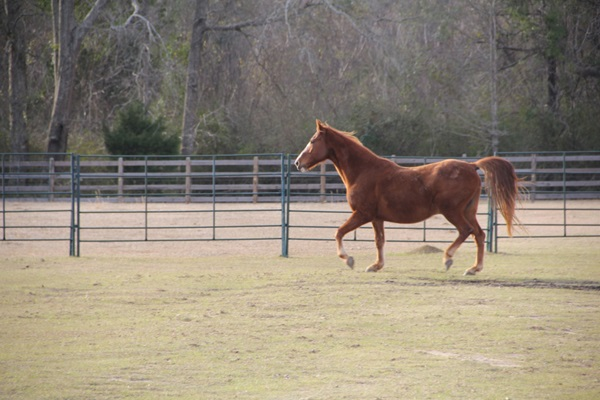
<point x="456" y="184"/>
<point x="409" y="195"/>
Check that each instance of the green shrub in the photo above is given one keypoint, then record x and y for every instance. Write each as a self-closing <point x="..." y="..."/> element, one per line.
<point x="135" y="132"/>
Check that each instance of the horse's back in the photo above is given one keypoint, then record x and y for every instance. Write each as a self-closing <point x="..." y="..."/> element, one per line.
<point x="453" y="182"/>
<point x="450" y="172"/>
<point x="412" y="194"/>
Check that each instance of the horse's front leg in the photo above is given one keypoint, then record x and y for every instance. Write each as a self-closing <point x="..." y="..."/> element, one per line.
<point x="379" y="243"/>
<point x="355" y="221"/>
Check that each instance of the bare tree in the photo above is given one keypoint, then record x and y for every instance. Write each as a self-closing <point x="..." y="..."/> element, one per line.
<point x="420" y="73"/>
<point x="68" y="37"/>
<point x="17" y="75"/>
<point x="192" y="92"/>
<point x="494" y="134"/>
<point x="200" y="27"/>
<point x="4" y="126"/>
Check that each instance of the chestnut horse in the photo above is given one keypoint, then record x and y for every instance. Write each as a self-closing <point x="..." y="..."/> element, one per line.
<point x="378" y="190"/>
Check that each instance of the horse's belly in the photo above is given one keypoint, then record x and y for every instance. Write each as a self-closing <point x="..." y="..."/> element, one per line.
<point x="406" y="215"/>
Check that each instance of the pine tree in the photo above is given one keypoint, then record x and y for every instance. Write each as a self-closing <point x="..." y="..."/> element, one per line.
<point x="136" y="133"/>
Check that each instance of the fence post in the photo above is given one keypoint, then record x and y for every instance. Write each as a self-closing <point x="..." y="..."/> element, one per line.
<point x="323" y="188"/>
<point x="3" y="200"/>
<point x="120" y="171"/>
<point x="533" y="176"/>
<point x="564" y="188"/>
<point x="490" y="227"/>
<point x="74" y="237"/>
<point x="51" y="179"/>
<point x="73" y="194"/>
<point x="214" y="197"/>
<point x="146" y="198"/>
<point x="255" y="180"/>
<point x="188" y="180"/>
<point x="285" y="204"/>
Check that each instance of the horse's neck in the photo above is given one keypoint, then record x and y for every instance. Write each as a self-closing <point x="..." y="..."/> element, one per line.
<point x="349" y="159"/>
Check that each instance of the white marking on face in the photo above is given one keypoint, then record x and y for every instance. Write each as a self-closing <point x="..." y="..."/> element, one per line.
<point x="297" y="161"/>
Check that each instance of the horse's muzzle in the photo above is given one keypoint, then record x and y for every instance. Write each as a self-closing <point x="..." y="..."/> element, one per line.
<point x="300" y="168"/>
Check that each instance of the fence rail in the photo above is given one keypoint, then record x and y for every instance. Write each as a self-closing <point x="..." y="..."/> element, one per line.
<point x="260" y="178"/>
<point x="255" y="178"/>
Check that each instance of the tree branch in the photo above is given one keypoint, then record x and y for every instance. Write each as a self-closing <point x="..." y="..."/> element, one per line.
<point x="347" y="17"/>
<point x="588" y="72"/>
<point x="241" y="25"/>
<point x="90" y="18"/>
<point x="519" y="49"/>
<point x="152" y="33"/>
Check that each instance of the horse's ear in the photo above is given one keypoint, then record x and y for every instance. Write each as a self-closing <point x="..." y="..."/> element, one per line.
<point x="320" y="126"/>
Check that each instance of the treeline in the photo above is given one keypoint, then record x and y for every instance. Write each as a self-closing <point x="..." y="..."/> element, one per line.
<point x="424" y="77"/>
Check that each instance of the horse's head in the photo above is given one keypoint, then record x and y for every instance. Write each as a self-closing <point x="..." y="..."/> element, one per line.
<point x="315" y="151"/>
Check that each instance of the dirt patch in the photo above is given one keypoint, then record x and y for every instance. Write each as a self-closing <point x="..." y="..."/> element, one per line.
<point x="530" y="284"/>
<point x="426" y="249"/>
<point x="478" y="358"/>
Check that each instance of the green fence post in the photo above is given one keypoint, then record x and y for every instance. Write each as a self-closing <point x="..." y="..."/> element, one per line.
<point x="564" y="176"/>
<point x="288" y="200"/>
<point x="78" y="220"/>
<point x="146" y="198"/>
<point x="284" y="205"/>
<point x="72" y="228"/>
<point x="214" y="197"/>
<point x="490" y="226"/>
<point x="74" y="237"/>
<point x="3" y="200"/>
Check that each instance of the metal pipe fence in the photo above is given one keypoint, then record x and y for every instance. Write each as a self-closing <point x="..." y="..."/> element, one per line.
<point x="107" y="199"/>
<point x="570" y="180"/>
<point x="199" y="181"/>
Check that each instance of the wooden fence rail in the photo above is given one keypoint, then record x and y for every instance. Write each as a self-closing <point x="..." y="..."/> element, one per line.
<point x="255" y="178"/>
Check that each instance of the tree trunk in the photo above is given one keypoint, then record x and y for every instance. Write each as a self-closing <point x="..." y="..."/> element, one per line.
<point x="494" y="133"/>
<point x="552" y="81"/>
<point x="68" y="37"/>
<point x="192" y="92"/>
<point x="17" y="77"/>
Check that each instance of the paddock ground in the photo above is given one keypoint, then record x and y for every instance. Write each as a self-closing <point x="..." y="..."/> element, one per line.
<point x="233" y="319"/>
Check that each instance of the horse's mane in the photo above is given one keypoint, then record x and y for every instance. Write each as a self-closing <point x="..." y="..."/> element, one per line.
<point x="349" y="135"/>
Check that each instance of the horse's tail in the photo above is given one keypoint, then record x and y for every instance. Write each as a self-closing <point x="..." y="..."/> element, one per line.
<point x="502" y="185"/>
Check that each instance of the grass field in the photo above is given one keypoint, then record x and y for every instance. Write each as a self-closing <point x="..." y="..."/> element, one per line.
<point x="167" y="325"/>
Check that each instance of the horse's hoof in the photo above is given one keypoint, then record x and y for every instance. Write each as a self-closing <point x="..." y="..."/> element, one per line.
<point x="373" y="268"/>
<point x="469" y="272"/>
<point x="350" y="262"/>
<point x="448" y="263"/>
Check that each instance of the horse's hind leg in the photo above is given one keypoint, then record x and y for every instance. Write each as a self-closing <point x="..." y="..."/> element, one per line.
<point x="463" y="234"/>
<point x="356" y="220"/>
<point x="464" y="230"/>
<point x="379" y="243"/>
<point x="466" y="224"/>
<point x="479" y="236"/>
